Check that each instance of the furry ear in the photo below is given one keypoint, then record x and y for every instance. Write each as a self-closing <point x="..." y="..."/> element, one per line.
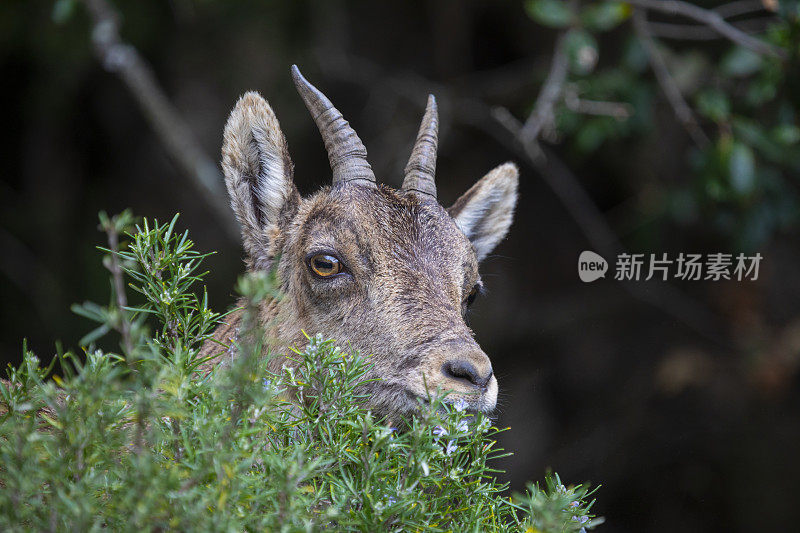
<point x="258" y="174"/>
<point x="484" y="212"/>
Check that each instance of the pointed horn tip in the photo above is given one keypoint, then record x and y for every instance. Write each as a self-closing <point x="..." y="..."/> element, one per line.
<point x="297" y="76"/>
<point x="431" y="111"/>
<point x="308" y="92"/>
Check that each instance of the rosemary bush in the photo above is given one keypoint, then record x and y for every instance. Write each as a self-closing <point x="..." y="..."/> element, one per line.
<point x="139" y="439"/>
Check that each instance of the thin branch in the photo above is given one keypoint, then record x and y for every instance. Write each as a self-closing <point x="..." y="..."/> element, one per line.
<point x="617" y="110"/>
<point x="682" y="110"/>
<point x="712" y="19"/>
<point x="739" y="7"/>
<point x="573" y="196"/>
<point x="124" y="60"/>
<point x="551" y="92"/>
<point x="700" y="32"/>
<point x="119" y="288"/>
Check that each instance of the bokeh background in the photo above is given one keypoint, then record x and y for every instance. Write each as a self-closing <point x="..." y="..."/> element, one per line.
<point x="681" y="398"/>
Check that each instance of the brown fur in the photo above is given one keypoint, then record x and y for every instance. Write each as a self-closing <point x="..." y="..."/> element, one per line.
<point x="410" y="266"/>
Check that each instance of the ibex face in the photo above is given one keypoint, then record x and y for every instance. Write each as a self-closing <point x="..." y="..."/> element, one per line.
<point x="388" y="272"/>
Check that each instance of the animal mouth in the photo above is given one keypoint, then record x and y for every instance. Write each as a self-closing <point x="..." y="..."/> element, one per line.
<point x="468" y="407"/>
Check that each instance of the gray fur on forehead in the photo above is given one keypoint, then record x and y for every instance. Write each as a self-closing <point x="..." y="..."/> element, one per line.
<point x="394" y="209"/>
<point x="406" y="223"/>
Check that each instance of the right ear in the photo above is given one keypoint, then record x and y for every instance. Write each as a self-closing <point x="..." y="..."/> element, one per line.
<point x="258" y="174"/>
<point x="485" y="211"/>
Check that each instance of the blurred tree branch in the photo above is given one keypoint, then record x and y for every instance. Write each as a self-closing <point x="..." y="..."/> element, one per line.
<point x="715" y="20"/>
<point x="113" y="227"/>
<point x="700" y="32"/>
<point x="124" y="60"/>
<point x="550" y="93"/>
<point x="668" y="85"/>
<point x="618" y="110"/>
<point x="739" y="7"/>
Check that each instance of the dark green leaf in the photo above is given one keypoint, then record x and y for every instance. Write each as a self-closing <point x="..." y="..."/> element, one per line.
<point x="741" y="62"/>
<point x="605" y="15"/>
<point x="593" y="133"/>
<point x="583" y="52"/>
<point x="551" y="13"/>
<point x="787" y="134"/>
<point x="62" y="10"/>
<point x="94" y="335"/>
<point x="742" y="168"/>
<point x="714" y="104"/>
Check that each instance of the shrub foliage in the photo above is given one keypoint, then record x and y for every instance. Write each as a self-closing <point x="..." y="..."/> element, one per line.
<point x="138" y="438"/>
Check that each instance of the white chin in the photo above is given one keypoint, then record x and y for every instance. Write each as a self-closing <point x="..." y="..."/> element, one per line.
<point x="489" y="398"/>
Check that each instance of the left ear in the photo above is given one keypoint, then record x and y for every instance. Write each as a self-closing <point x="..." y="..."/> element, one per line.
<point x="484" y="212"/>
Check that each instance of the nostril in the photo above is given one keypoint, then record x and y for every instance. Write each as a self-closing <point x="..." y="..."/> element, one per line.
<point x="466" y="371"/>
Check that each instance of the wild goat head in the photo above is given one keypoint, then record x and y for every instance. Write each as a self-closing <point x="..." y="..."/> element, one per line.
<point x="388" y="272"/>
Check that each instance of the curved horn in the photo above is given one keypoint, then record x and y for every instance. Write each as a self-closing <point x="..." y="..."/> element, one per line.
<point x="421" y="167"/>
<point x="346" y="152"/>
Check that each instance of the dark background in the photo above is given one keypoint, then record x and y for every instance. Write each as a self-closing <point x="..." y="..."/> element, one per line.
<point x="686" y="409"/>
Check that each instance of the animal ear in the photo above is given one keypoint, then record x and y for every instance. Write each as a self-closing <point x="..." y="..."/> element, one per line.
<point x="484" y="212"/>
<point x="258" y="174"/>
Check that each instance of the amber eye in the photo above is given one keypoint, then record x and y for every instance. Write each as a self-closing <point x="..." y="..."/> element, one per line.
<point x="324" y="265"/>
<point x="473" y="294"/>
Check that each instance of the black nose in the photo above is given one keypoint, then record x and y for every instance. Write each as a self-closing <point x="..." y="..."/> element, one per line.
<point x="466" y="371"/>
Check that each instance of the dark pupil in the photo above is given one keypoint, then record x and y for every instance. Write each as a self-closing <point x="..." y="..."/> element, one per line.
<point x="324" y="263"/>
